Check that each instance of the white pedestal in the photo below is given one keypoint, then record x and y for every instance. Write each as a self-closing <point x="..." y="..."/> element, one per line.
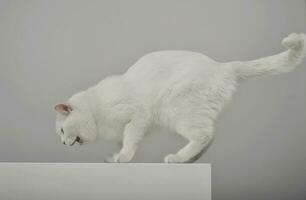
<point x="90" y="181"/>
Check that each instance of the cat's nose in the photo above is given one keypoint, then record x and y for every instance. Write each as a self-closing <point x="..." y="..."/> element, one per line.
<point x="64" y="142"/>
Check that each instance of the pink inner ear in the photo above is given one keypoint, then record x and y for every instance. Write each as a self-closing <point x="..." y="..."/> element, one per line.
<point x="63" y="108"/>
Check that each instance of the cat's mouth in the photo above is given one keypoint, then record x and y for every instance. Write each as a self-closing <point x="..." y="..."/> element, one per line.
<point x="78" y="140"/>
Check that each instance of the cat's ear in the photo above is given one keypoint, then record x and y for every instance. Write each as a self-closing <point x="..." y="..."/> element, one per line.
<point x="63" y="108"/>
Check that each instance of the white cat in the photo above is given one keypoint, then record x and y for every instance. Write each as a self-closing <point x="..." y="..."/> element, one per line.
<point x="180" y="90"/>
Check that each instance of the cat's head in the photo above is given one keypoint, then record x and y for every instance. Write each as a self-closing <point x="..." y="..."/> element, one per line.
<point x="74" y="124"/>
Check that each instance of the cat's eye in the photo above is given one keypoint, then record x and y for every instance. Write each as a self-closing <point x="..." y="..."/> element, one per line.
<point x="62" y="130"/>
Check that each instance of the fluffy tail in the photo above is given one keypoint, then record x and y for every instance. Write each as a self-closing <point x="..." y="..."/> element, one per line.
<point x="276" y="64"/>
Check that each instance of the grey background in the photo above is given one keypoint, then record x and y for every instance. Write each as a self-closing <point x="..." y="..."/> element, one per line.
<point x="52" y="49"/>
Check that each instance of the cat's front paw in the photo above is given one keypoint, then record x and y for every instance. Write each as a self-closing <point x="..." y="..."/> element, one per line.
<point x="173" y="158"/>
<point x="119" y="158"/>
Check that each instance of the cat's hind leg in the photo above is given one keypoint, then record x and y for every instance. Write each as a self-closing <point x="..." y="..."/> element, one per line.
<point x="199" y="139"/>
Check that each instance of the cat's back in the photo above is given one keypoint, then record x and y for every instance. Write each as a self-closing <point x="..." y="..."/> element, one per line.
<point x="173" y="56"/>
<point x="162" y="65"/>
<point x="167" y="60"/>
<point x="157" y="70"/>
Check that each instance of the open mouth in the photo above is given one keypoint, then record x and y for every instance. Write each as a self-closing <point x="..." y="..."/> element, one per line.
<point x="77" y="139"/>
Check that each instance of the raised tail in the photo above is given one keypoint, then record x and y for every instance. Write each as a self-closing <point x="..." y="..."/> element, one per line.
<point x="276" y="64"/>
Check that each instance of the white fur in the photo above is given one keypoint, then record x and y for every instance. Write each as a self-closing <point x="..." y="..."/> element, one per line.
<point x="180" y="90"/>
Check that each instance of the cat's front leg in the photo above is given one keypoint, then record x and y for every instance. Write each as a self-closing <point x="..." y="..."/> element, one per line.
<point x="131" y="137"/>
